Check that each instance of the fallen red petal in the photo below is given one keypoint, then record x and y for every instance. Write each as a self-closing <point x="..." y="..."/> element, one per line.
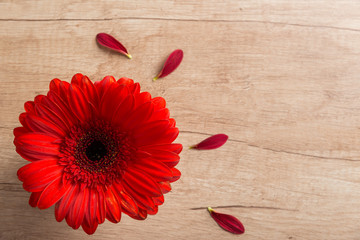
<point x="171" y="63"/>
<point x="109" y="41"/>
<point x="212" y="142"/>
<point x="227" y="222"/>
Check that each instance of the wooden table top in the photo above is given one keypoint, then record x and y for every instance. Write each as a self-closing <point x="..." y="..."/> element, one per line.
<point x="281" y="78"/>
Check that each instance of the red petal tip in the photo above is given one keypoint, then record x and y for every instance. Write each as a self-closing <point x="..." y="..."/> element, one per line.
<point x="109" y="41"/>
<point x="227" y="222"/>
<point x="171" y="63"/>
<point x="212" y="142"/>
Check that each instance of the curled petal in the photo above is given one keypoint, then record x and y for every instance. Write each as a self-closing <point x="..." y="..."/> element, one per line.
<point x="227" y="222"/>
<point x="109" y="41"/>
<point x="171" y="63"/>
<point x="212" y="142"/>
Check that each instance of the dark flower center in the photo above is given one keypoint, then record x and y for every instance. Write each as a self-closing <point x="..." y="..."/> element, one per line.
<point x="96" y="151"/>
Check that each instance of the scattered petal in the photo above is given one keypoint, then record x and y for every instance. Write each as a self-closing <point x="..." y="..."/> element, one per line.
<point x="171" y="63"/>
<point x="109" y="41"/>
<point x="212" y="142"/>
<point x="227" y="222"/>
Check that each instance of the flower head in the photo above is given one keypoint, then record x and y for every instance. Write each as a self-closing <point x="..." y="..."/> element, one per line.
<point x="97" y="151"/>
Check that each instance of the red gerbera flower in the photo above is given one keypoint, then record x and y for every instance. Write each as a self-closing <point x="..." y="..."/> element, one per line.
<point x="97" y="150"/>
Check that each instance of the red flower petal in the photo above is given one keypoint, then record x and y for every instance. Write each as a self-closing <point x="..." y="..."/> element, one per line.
<point x="20" y="131"/>
<point x="109" y="41"/>
<point x="153" y="211"/>
<point x="52" y="193"/>
<point x="88" y="88"/>
<point x="171" y="63"/>
<point x="78" y="208"/>
<point x="174" y="147"/>
<point x="171" y="159"/>
<point x="34" y="198"/>
<point x="89" y="227"/>
<point x="63" y="207"/>
<point x="29" y="107"/>
<point x="156" y="169"/>
<point x="142" y="215"/>
<point x="176" y="174"/>
<point x="104" y="85"/>
<point x="101" y="210"/>
<point x="113" y="208"/>
<point x="123" y="110"/>
<point x="143" y="201"/>
<point x="128" y="204"/>
<point x="111" y="100"/>
<point x="159" y="103"/>
<point x="141" y="182"/>
<point x="161" y="114"/>
<point x="151" y="129"/>
<point x="134" y="89"/>
<point x="227" y="222"/>
<point x="38" y="124"/>
<point x="138" y="117"/>
<point x="159" y="200"/>
<point x="79" y="104"/>
<point x="126" y="81"/>
<point x="90" y="214"/>
<point x="161" y="137"/>
<point x="61" y="108"/>
<point x="165" y="187"/>
<point x="172" y="122"/>
<point x="61" y="88"/>
<point x="36" y="146"/>
<point x="46" y="113"/>
<point x="39" y="174"/>
<point x="142" y="98"/>
<point x="212" y="142"/>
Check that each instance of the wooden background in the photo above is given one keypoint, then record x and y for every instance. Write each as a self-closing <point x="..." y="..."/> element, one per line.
<point x="281" y="78"/>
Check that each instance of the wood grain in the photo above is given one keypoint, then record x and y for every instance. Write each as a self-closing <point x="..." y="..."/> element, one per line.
<point x="281" y="78"/>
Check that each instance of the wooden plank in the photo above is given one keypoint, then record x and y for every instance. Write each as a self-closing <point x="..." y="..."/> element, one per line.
<point x="287" y="95"/>
<point x="331" y="13"/>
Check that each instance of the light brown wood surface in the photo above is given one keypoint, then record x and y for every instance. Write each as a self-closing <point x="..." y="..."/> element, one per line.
<point x="281" y="78"/>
